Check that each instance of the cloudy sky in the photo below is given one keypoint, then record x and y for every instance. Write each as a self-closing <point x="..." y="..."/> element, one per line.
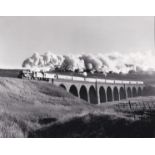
<point x="20" y="37"/>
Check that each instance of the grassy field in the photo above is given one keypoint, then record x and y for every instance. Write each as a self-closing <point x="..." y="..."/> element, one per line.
<point x="39" y="109"/>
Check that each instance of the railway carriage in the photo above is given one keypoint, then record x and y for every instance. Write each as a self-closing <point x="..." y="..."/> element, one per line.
<point x="28" y="74"/>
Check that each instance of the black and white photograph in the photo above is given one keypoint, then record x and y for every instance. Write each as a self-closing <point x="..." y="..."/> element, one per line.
<point x="77" y="77"/>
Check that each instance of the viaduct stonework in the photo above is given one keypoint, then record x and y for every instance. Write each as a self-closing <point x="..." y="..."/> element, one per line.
<point x="100" y="92"/>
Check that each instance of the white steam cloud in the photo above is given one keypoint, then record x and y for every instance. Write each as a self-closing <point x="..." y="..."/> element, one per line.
<point x="108" y="62"/>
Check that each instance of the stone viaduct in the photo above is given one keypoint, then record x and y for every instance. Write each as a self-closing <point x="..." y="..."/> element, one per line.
<point x="101" y="92"/>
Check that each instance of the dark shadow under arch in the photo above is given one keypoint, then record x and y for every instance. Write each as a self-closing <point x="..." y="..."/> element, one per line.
<point x="134" y="92"/>
<point x="116" y="94"/>
<point x="122" y="93"/>
<point x="73" y="90"/>
<point x="63" y="86"/>
<point x="139" y="91"/>
<point x="129" y="92"/>
<point x="83" y="93"/>
<point x="92" y="95"/>
<point x="102" y="95"/>
<point x="109" y="94"/>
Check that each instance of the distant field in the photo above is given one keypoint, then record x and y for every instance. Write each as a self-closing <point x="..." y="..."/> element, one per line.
<point x="13" y="73"/>
<point x="39" y="109"/>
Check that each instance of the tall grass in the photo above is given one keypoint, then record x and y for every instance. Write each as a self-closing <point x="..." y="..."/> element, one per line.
<point x="40" y="109"/>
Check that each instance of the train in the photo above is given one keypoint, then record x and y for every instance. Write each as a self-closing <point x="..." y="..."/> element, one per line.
<point x="45" y="76"/>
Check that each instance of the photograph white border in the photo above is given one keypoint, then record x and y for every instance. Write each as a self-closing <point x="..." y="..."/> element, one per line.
<point x="77" y="8"/>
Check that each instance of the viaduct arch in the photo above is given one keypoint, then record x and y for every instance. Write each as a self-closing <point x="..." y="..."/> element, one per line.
<point x="109" y="94"/>
<point x="122" y="93"/>
<point x="63" y="86"/>
<point x="116" y="94"/>
<point x="139" y="91"/>
<point x="101" y="93"/>
<point x="134" y="92"/>
<point x="129" y="92"/>
<point x="93" y="95"/>
<point x="73" y="90"/>
<point x="83" y="93"/>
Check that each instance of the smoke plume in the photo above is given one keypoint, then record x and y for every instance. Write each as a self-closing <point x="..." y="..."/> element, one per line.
<point x="107" y="62"/>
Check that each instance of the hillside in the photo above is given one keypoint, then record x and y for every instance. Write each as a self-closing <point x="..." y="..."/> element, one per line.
<point x="39" y="109"/>
<point x="30" y="105"/>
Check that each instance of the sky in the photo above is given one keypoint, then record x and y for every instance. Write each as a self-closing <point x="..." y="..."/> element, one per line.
<point x="20" y="37"/>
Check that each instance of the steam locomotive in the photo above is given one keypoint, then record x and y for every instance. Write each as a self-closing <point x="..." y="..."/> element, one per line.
<point x="45" y="76"/>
